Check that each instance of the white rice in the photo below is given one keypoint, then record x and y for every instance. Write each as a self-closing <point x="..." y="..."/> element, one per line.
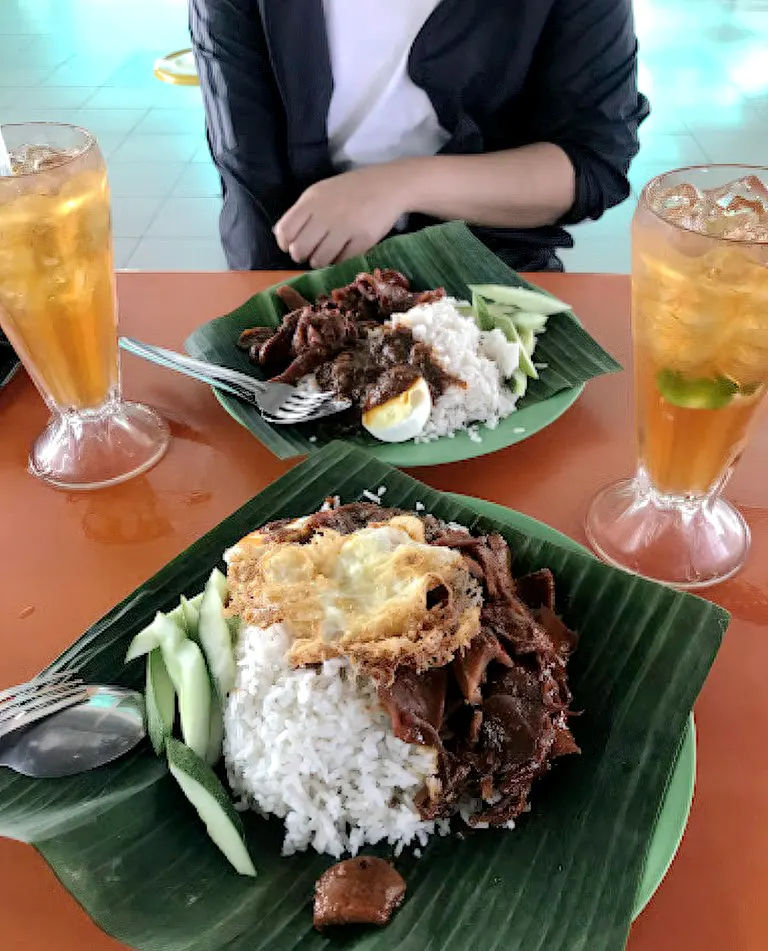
<point x="315" y="748"/>
<point x="482" y="359"/>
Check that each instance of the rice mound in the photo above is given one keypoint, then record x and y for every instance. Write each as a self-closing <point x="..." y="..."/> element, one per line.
<point x="314" y="747"/>
<point x="482" y="359"/>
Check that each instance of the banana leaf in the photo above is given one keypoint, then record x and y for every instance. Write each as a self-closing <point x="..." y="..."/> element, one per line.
<point x="125" y="843"/>
<point x="446" y="256"/>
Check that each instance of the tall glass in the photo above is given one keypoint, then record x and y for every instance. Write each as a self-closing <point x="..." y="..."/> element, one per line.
<point x="58" y="308"/>
<point x="700" y="334"/>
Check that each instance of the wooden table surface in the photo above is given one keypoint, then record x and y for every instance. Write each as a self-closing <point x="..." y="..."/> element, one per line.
<point x="94" y="548"/>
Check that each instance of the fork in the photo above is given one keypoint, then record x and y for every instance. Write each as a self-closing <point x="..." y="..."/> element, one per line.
<point x="278" y="403"/>
<point x="45" y="694"/>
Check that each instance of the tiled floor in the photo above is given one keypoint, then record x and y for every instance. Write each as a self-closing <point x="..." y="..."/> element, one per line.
<point x="704" y="67"/>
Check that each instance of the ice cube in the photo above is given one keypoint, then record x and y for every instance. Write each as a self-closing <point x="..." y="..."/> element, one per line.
<point x="738" y="211"/>
<point x="745" y="194"/>
<point x="37" y="158"/>
<point x="682" y="205"/>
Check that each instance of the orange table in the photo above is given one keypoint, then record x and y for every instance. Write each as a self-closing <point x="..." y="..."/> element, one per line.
<point x="67" y="558"/>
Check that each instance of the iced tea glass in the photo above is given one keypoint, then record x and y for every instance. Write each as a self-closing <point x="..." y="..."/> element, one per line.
<point x="58" y="308"/>
<point x="700" y="335"/>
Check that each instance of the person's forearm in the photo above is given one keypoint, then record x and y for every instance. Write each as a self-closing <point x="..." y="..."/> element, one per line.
<point x="516" y="188"/>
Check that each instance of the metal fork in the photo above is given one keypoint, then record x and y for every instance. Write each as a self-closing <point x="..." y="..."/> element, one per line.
<point x="43" y="695"/>
<point x="278" y="403"/>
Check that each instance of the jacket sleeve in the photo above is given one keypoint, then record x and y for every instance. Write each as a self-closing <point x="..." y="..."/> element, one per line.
<point x="584" y="92"/>
<point x="245" y="126"/>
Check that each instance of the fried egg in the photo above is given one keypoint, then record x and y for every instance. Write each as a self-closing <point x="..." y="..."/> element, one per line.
<point x="369" y="594"/>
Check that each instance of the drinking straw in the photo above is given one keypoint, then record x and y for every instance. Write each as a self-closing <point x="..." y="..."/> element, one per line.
<point x="5" y="158"/>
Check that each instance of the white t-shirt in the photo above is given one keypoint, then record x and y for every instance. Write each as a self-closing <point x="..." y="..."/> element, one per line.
<point x="377" y="112"/>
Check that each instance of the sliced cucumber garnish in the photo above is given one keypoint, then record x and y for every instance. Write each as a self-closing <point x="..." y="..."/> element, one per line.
<point x="698" y="393"/>
<point x="484" y="319"/>
<point x="527" y="339"/>
<point x="204" y="791"/>
<point x="189" y="675"/>
<point x="527" y="321"/>
<point x="215" y="733"/>
<point x="163" y="627"/>
<point x="523" y="320"/>
<point x="190" y="615"/>
<point x="519" y="383"/>
<point x="527" y="300"/>
<point x="181" y="617"/>
<point x="219" y="580"/>
<point x="216" y="639"/>
<point x="506" y="325"/>
<point x="160" y="701"/>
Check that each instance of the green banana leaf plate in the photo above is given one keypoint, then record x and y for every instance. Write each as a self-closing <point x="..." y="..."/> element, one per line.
<point x="126" y="844"/>
<point x="446" y="256"/>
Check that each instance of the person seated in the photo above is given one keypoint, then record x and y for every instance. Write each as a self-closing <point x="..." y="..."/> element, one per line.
<point x="335" y="123"/>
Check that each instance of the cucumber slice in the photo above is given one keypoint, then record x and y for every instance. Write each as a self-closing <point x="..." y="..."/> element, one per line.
<point x="534" y="301"/>
<point x="216" y="640"/>
<point x="164" y="626"/>
<point x="204" y="791"/>
<point x="505" y="324"/>
<point x="524" y="320"/>
<point x="219" y="580"/>
<point x="215" y="733"/>
<point x="519" y="383"/>
<point x="190" y="614"/>
<point x="160" y="701"/>
<point x="500" y="310"/>
<point x="527" y="339"/>
<point x="178" y="615"/>
<point x="483" y="317"/>
<point x="189" y="675"/>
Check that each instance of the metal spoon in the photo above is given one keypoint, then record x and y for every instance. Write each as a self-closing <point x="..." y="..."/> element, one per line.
<point x="98" y="730"/>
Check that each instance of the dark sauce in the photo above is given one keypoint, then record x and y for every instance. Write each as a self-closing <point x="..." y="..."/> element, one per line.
<point x="382" y="365"/>
<point x="343" y="340"/>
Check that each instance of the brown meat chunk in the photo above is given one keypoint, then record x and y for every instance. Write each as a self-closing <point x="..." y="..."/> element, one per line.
<point x="392" y="382"/>
<point x="305" y="363"/>
<point x="255" y="337"/>
<point x="564" y="743"/>
<point x="292" y="299"/>
<point x="537" y="590"/>
<point x="362" y="891"/>
<point x="275" y="354"/>
<point x="561" y="636"/>
<point x="415" y="703"/>
<point x="470" y="666"/>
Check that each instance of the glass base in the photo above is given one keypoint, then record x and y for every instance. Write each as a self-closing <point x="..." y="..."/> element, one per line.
<point x="684" y="542"/>
<point x="96" y="448"/>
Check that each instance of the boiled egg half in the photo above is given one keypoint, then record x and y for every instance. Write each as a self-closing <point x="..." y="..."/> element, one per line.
<point x="403" y="416"/>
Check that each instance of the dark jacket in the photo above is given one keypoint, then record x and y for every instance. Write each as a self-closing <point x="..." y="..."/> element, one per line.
<point x="500" y="74"/>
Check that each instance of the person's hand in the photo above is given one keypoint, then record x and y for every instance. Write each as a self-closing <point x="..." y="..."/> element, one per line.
<point x="345" y="215"/>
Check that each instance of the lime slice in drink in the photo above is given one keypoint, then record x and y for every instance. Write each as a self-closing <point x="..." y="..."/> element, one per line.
<point x="700" y="393"/>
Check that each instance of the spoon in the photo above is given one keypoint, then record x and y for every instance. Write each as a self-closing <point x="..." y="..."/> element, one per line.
<point x="78" y="739"/>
